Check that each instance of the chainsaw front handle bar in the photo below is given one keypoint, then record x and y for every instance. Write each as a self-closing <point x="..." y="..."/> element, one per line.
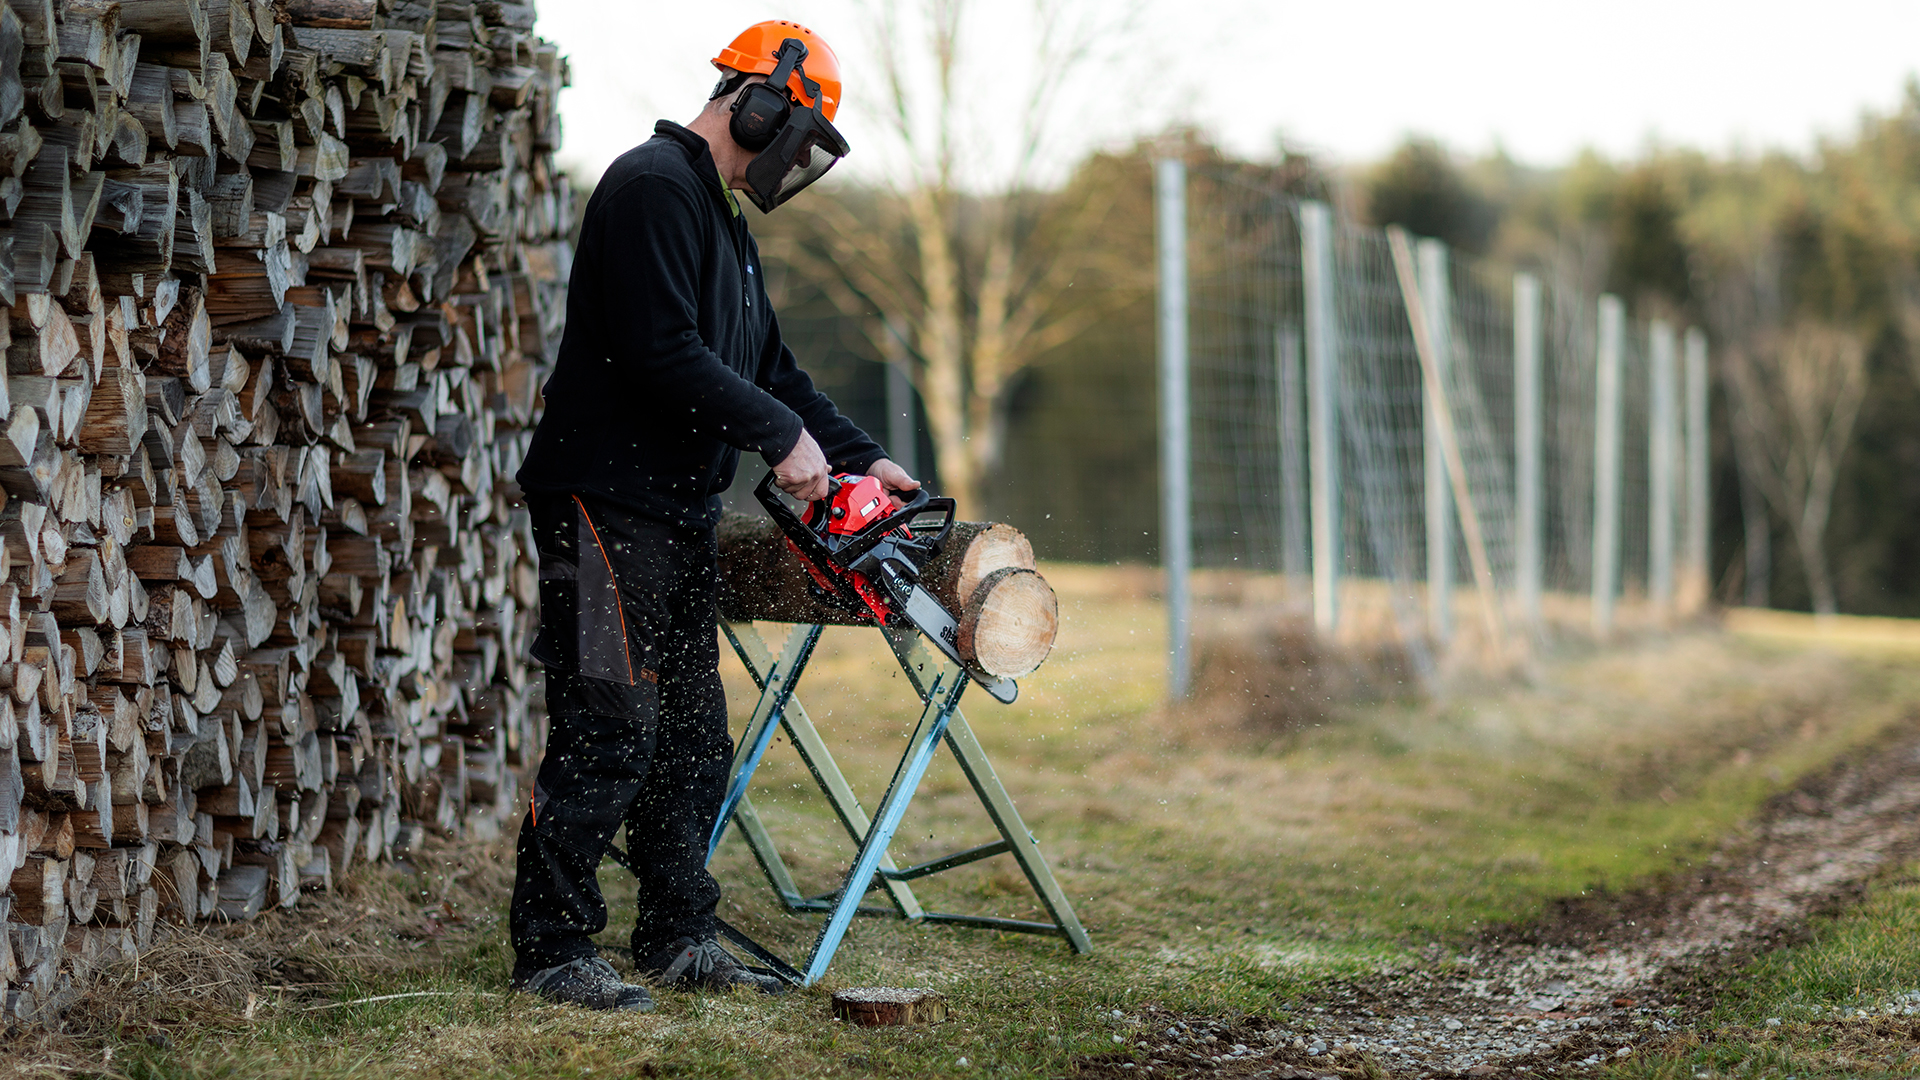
<point x="922" y="503"/>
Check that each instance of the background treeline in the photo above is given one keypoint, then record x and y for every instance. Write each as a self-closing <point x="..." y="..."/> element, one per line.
<point x="1804" y="268"/>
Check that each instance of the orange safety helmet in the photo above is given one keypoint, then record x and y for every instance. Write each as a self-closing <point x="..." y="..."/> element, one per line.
<point x="754" y="52"/>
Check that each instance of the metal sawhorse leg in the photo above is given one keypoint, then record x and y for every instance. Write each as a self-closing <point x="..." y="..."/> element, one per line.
<point x="939" y="685"/>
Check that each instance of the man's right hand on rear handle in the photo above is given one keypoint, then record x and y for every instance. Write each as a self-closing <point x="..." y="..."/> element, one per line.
<point x="803" y="473"/>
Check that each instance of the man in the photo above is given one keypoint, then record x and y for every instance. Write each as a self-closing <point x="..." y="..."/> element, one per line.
<point x="672" y="366"/>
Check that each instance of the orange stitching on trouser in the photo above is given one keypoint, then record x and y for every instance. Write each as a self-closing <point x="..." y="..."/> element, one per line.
<point x="618" y="606"/>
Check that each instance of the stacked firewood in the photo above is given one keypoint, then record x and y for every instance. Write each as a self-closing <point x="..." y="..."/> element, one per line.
<point x="279" y="281"/>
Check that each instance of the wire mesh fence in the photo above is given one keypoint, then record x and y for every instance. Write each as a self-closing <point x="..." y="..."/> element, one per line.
<point x="1514" y="386"/>
<point x="1369" y="534"/>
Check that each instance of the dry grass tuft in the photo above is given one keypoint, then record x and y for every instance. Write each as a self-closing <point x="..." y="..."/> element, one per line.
<point x="191" y="976"/>
<point x="1265" y="672"/>
<point x="189" y="979"/>
<point x="44" y="1054"/>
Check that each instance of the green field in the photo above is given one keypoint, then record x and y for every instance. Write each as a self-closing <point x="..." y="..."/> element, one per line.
<point x="1223" y="868"/>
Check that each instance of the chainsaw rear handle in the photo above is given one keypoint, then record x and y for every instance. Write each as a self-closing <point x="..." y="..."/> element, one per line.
<point x="777" y="507"/>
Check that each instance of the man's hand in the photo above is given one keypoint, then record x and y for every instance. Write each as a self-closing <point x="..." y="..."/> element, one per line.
<point x="803" y="473"/>
<point x="894" y="479"/>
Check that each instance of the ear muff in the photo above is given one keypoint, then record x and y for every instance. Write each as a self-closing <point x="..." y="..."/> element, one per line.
<point x="761" y="111"/>
<point x="758" y="115"/>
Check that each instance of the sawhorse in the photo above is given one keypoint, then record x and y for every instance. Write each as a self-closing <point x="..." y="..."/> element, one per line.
<point x="939" y="684"/>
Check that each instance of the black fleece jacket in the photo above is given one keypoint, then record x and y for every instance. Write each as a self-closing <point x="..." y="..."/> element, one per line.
<point x="672" y="362"/>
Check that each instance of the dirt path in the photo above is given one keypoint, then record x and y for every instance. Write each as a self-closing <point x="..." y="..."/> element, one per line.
<point x="1588" y="981"/>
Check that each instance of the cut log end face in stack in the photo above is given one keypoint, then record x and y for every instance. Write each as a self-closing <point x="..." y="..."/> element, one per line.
<point x="278" y="282"/>
<point x="984" y="574"/>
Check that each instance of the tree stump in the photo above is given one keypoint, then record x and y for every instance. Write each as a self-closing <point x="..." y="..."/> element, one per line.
<point x="887" y="1006"/>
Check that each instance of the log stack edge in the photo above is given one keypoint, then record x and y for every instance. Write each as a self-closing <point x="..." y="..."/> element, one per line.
<point x="278" y="282"/>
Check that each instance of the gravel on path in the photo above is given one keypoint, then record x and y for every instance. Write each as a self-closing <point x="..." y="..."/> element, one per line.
<point x="1586" y="984"/>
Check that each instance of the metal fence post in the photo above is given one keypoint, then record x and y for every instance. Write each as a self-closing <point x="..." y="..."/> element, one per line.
<point x="1436" y="295"/>
<point x="1694" y="583"/>
<point x="1290" y="394"/>
<point x="1606" y="464"/>
<point x="1528" y="521"/>
<point x="1323" y="409"/>
<point x="1662" y="437"/>
<point x="903" y="435"/>
<point x="1176" y="525"/>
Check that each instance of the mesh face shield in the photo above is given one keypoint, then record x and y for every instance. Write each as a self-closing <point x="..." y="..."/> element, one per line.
<point x="801" y="153"/>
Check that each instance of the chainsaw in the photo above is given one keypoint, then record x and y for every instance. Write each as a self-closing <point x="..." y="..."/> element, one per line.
<point x="864" y="557"/>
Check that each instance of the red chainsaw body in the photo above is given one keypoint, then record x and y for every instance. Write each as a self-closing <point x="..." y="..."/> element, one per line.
<point x="858" y="502"/>
<point x="854" y="503"/>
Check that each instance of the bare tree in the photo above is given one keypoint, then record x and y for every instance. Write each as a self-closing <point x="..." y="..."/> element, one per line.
<point x="1745" y="305"/>
<point x="1795" y="396"/>
<point x="1906" y="291"/>
<point x="973" y="273"/>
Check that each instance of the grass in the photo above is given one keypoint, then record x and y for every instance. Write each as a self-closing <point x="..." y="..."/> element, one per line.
<point x="1835" y="1005"/>
<point x="1220" y="867"/>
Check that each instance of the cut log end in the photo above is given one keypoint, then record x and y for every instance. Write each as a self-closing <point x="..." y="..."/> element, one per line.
<point x="1008" y="625"/>
<point x="886" y="1006"/>
<point x="994" y="547"/>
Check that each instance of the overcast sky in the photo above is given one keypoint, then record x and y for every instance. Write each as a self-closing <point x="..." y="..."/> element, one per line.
<point x="1345" y="79"/>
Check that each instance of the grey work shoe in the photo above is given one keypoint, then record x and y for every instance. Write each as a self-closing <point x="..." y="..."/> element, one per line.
<point x="703" y="965"/>
<point x="589" y="982"/>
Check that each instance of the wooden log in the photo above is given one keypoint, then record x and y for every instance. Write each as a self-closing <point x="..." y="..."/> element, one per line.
<point x="762" y="579"/>
<point x="243" y="893"/>
<point x="39" y="890"/>
<point x="20" y="437"/>
<point x="116" y="416"/>
<point x="231" y="29"/>
<point x="166" y="21"/>
<point x="48" y="349"/>
<point x="186" y="341"/>
<point x="333" y="14"/>
<point x="80" y="595"/>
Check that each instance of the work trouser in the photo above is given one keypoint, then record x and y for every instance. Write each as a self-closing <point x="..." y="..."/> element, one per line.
<point x="638" y="730"/>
